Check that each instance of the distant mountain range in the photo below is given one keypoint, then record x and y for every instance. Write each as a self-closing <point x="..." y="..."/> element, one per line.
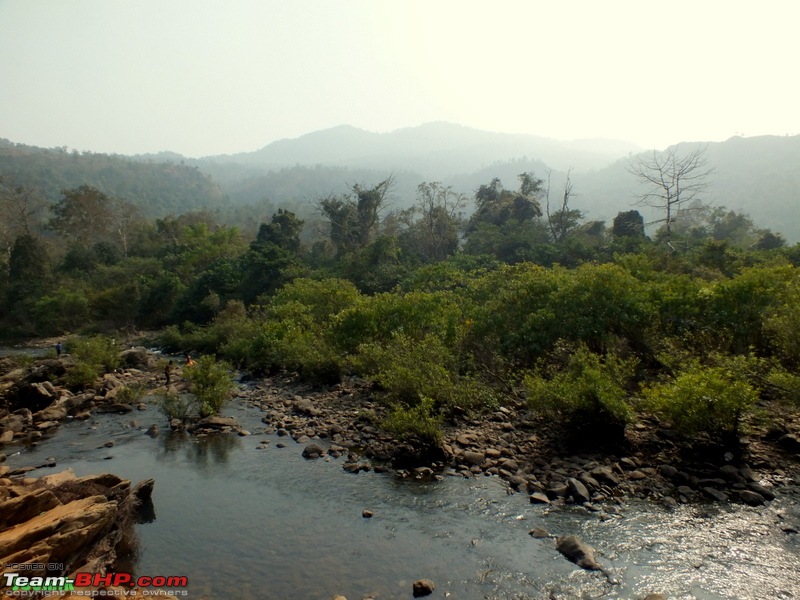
<point x="758" y="176"/>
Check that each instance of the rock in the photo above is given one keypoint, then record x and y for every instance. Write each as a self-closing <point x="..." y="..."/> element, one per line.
<point x="750" y="497"/>
<point x="655" y="597"/>
<point x="790" y="443"/>
<point x="312" y="451"/>
<point x="339" y="597"/>
<point x="423" y="587"/>
<point x="152" y="431"/>
<point x="637" y="475"/>
<point x="367" y="514"/>
<point x="574" y="549"/>
<point x="629" y="463"/>
<point x="539" y="533"/>
<point x="7" y="437"/>
<point x="137" y="358"/>
<point x="605" y="475"/>
<point x="473" y="458"/>
<point x="763" y="491"/>
<point x="217" y="422"/>
<point x="578" y="491"/>
<point x="715" y="494"/>
<point x="668" y="471"/>
<point x="539" y="498"/>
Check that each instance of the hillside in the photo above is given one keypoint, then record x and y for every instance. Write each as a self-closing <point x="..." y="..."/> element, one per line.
<point x="158" y="188"/>
<point x="758" y="176"/>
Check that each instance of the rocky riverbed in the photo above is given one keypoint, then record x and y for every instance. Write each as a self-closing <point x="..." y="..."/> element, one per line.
<point x="510" y="442"/>
<point x="342" y="424"/>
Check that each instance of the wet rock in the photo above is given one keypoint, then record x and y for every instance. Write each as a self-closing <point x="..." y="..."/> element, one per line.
<point x="539" y="498"/>
<point x="423" y="587"/>
<point x="750" y="497"/>
<point x="217" y="422"/>
<point x="716" y="494"/>
<point x="763" y="491"/>
<point x="539" y="533"/>
<point x="152" y="431"/>
<point x="312" y="451"/>
<point x="578" y="491"/>
<point x="605" y="475"/>
<point x="575" y="550"/>
<point x="367" y="514"/>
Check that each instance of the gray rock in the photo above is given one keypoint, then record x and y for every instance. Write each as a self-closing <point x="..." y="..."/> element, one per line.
<point x="539" y="533"/>
<point x="574" y="549"/>
<point x="715" y="494"/>
<point x="767" y="493"/>
<point x="668" y="471"/>
<point x="752" y="498"/>
<point x="578" y="491"/>
<point x="605" y="475"/>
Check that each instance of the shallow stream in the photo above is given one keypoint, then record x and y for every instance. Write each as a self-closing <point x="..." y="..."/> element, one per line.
<point x="268" y="524"/>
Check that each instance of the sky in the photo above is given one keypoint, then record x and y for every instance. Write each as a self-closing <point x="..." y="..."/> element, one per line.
<point x="207" y="77"/>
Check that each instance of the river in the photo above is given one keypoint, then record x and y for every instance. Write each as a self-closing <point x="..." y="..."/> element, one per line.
<point x="267" y="524"/>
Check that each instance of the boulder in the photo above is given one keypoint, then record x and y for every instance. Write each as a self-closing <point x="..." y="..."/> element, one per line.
<point x="574" y="549"/>
<point x="423" y="587"/>
<point x="578" y="491"/>
<point x="473" y="458"/>
<point x="137" y="357"/>
<point x="313" y="451"/>
<point x="750" y="497"/>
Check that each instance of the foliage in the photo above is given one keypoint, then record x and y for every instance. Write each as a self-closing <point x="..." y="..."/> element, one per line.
<point x="174" y="405"/>
<point x="585" y="390"/>
<point x="211" y="383"/>
<point x="710" y="400"/>
<point x="93" y="357"/>
<point x="419" y="424"/>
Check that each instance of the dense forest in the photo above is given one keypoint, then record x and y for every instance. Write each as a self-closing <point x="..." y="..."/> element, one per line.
<point x="447" y="313"/>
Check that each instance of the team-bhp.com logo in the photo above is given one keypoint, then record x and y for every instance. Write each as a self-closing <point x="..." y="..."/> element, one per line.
<point x="15" y="584"/>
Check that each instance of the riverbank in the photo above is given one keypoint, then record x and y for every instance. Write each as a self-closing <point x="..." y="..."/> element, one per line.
<point x="340" y="426"/>
<point x="529" y="453"/>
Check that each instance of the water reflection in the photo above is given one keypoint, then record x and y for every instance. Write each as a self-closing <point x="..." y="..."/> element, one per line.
<point x="206" y="453"/>
<point x="267" y="523"/>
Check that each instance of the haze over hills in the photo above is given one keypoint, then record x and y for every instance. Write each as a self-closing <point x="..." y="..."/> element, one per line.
<point x="758" y="176"/>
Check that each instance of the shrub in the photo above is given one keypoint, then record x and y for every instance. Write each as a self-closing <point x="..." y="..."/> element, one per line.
<point x="174" y="405"/>
<point x="417" y="424"/>
<point x="709" y="400"/>
<point x="211" y="384"/>
<point x="588" y="390"/>
<point x="93" y="357"/>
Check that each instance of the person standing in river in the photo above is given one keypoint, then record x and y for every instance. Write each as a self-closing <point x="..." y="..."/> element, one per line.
<point x="58" y="349"/>
<point x="168" y="372"/>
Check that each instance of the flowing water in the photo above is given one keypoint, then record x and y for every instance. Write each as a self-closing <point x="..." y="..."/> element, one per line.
<point x="268" y="524"/>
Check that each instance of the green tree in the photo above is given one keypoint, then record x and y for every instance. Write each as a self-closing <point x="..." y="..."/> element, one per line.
<point x="84" y="215"/>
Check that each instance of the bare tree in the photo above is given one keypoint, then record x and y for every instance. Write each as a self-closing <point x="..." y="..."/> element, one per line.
<point x="674" y="182"/>
<point x="561" y="221"/>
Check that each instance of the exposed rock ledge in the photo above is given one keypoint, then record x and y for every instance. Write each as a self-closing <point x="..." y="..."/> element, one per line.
<point x="60" y="524"/>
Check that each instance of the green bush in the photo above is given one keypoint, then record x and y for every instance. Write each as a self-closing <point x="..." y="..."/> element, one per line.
<point x="211" y="383"/>
<point x="709" y="400"/>
<point x="174" y="405"/>
<point x="409" y="370"/>
<point x="93" y="357"/>
<point x="588" y="390"/>
<point x="417" y="424"/>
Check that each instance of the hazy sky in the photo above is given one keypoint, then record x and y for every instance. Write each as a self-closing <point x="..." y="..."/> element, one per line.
<point x="204" y="77"/>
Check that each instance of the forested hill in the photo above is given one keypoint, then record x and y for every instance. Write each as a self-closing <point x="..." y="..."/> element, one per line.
<point x="157" y="188"/>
